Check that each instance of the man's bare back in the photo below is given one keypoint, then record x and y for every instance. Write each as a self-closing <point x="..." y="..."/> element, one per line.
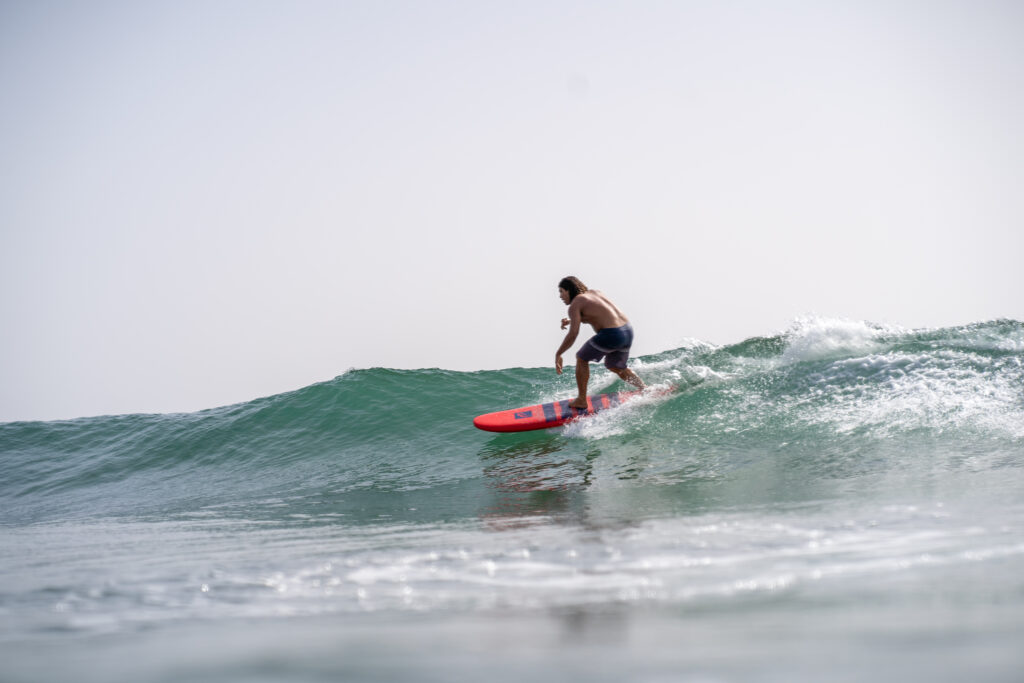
<point x="598" y="311"/>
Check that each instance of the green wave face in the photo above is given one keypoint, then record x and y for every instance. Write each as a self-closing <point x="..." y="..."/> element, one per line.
<point x="825" y="402"/>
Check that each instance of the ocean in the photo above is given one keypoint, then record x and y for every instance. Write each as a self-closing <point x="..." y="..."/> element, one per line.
<point x="843" y="501"/>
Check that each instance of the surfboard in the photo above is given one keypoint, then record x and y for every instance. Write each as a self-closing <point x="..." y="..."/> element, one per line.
<point x="554" y="414"/>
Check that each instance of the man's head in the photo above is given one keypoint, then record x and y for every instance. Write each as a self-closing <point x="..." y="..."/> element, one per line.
<point x="572" y="286"/>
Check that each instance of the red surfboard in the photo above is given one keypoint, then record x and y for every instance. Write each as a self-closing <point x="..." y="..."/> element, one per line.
<point x="554" y="414"/>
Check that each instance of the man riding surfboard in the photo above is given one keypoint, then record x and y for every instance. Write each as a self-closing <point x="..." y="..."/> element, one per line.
<point x="612" y="341"/>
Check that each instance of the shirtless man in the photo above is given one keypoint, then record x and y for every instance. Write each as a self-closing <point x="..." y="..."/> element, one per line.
<point x="612" y="341"/>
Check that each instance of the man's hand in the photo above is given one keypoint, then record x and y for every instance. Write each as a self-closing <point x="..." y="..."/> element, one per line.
<point x="565" y="323"/>
<point x="558" y="364"/>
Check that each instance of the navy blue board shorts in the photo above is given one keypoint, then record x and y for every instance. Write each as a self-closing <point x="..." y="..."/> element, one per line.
<point x="612" y="344"/>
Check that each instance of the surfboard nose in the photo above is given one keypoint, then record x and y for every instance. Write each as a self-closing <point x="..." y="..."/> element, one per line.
<point x="515" y="420"/>
<point x="491" y="422"/>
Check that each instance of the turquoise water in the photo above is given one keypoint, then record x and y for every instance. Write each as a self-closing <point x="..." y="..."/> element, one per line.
<point x="844" y="501"/>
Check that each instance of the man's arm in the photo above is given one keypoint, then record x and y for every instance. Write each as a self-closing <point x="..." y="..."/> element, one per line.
<point x="575" y="318"/>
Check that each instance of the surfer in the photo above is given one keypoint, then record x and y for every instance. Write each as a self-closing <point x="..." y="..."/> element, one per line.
<point x="612" y="341"/>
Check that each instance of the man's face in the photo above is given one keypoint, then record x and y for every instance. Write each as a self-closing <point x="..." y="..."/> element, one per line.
<point x="564" y="294"/>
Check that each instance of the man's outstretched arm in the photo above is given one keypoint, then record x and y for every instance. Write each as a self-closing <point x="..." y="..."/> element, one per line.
<point x="573" y="321"/>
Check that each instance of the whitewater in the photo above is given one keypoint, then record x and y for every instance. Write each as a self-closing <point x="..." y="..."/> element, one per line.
<point x="842" y="501"/>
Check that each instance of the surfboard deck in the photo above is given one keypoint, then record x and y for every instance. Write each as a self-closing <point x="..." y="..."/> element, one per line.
<point x="554" y="414"/>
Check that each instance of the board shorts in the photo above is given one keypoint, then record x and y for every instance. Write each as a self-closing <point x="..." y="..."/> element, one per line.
<point x="612" y="344"/>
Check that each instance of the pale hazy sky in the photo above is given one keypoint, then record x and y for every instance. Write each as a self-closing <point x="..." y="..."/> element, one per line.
<point x="203" y="202"/>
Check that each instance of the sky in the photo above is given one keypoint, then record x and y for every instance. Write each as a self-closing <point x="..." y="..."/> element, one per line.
<point x="203" y="202"/>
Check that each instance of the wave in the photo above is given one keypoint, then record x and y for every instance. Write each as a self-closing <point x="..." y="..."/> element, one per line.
<point x="826" y="398"/>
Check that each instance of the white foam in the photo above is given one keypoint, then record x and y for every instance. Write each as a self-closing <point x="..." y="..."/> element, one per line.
<point x="983" y="338"/>
<point x="663" y="560"/>
<point x="813" y="338"/>
<point x="620" y="419"/>
<point x="939" y="391"/>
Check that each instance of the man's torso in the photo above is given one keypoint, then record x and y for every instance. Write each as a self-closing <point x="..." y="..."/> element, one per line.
<point x="599" y="312"/>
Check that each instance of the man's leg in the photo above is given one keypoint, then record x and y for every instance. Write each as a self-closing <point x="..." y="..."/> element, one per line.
<point x="629" y="376"/>
<point x="582" y="379"/>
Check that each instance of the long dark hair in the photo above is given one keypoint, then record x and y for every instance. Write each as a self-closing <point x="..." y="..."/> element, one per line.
<point x="572" y="284"/>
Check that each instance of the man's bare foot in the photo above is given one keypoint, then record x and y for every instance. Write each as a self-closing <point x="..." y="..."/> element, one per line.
<point x="580" y="403"/>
